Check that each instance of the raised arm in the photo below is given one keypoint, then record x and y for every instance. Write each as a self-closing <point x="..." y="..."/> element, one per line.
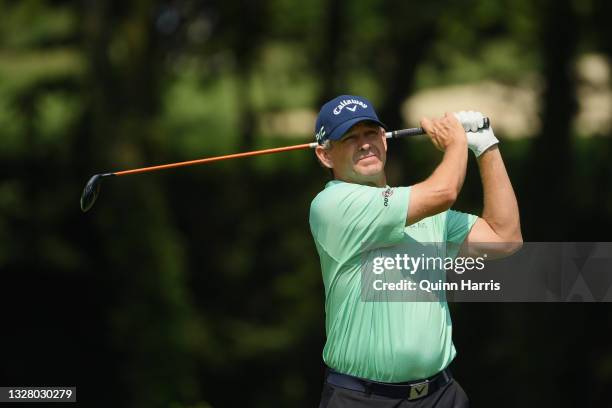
<point x="440" y="190"/>
<point x="498" y="231"/>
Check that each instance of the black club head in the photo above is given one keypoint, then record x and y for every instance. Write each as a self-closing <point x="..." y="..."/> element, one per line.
<point x="91" y="191"/>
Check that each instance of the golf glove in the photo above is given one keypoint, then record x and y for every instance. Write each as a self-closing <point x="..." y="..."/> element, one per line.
<point x="478" y="139"/>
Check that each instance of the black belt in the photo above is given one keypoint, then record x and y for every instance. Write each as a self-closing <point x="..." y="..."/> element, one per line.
<point x="410" y="390"/>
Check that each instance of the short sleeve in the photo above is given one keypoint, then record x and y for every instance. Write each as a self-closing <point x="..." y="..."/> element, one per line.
<point x="345" y="218"/>
<point x="458" y="226"/>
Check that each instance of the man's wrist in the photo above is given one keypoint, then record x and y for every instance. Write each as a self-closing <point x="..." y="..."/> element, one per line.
<point x="488" y="152"/>
<point x="459" y="140"/>
<point x="479" y="144"/>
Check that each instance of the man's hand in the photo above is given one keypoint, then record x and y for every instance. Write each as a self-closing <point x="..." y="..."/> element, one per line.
<point x="444" y="132"/>
<point x="479" y="140"/>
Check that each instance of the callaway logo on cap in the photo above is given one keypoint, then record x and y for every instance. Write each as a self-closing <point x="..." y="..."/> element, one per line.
<point x="340" y="114"/>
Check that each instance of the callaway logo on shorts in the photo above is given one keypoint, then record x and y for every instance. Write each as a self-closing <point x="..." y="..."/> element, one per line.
<point x="345" y="104"/>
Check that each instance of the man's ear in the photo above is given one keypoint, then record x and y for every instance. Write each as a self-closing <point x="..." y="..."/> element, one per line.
<point x="324" y="157"/>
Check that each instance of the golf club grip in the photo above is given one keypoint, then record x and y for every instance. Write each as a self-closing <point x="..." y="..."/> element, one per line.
<point x="419" y="131"/>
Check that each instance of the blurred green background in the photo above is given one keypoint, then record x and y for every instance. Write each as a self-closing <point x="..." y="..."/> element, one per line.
<point x="200" y="286"/>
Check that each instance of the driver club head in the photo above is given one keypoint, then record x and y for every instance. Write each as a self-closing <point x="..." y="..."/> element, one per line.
<point x="91" y="191"/>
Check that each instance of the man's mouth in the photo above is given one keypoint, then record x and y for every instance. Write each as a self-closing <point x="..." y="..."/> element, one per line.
<point x="366" y="156"/>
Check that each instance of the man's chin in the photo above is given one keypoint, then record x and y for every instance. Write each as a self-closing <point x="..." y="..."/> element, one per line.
<point x="370" y="171"/>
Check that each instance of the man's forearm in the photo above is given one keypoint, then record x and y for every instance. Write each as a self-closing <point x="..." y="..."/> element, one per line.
<point x="500" y="206"/>
<point x="450" y="173"/>
<point x="440" y="190"/>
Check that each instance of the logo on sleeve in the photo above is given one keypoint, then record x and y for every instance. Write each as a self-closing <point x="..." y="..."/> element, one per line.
<point x="386" y="194"/>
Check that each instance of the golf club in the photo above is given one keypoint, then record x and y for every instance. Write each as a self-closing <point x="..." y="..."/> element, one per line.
<point x="92" y="188"/>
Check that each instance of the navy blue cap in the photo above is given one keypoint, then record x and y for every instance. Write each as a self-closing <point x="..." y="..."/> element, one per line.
<point x="340" y="114"/>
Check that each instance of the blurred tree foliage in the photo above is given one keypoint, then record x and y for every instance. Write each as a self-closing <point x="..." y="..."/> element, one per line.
<point x="201" y="287"/>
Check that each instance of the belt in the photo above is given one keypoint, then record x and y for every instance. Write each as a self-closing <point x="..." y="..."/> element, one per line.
<point x="410" y="390"/>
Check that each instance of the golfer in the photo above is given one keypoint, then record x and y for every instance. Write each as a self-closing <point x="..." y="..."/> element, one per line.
<point x="396" y="354"/>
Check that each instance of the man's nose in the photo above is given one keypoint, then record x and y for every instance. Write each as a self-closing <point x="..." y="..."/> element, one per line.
<point x="364" y="143"/>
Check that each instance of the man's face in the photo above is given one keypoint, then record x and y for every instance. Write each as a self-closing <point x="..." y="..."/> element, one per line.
<point x="360" y="156"/>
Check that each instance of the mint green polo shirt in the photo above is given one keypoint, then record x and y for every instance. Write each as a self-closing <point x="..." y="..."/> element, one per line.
<point x="380" y="341"/>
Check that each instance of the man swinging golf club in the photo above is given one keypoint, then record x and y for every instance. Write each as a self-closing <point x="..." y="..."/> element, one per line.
<point x="396" y="354"/>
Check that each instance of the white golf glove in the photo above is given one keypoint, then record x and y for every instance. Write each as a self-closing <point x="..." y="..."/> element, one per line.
<point x="478" y="139"/>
